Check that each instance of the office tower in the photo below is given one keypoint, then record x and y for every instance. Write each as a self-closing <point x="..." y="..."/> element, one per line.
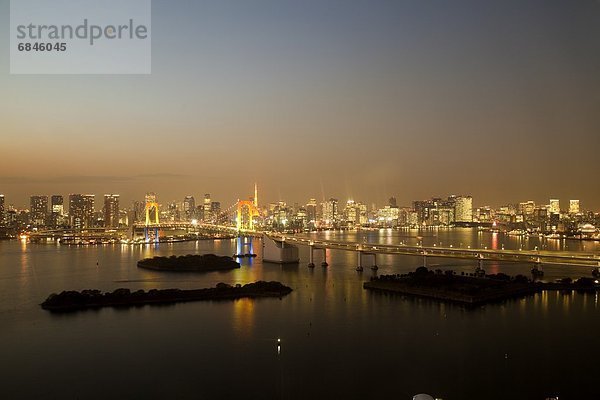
<point x="111" y="210"/>
<point x="527" y="207"/>
<point x="330" y="212"/>
<point x="573" y="206"/>
<point x="392" y="202"/>
<point x="215" y="209"/>
<point x="555" y="206"/>
<point x="57" y="210"/>
<point x="363" y="217"/>
<point x="207" y="205"/>
<point x="463" y="209"/>
<point x="189" y="207"/>
<point x="38" y="211"/>
<point x="81" y="210"/>
<point x="311" y="213"/>
<point x="351" y="212"/>
<point x="2" y="211"/>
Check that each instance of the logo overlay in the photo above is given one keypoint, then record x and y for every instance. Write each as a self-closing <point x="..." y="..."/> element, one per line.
<point x="80" y="37"/>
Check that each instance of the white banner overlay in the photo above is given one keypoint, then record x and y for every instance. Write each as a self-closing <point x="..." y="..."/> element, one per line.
<point x="80" y="37"/>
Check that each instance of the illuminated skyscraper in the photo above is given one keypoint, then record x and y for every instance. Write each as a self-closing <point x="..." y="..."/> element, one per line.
<point x="351" y="213"/>
<point x="111" y="210"/>
<point x="215" y="210"/>
<point x="2" y="211"/>
<point x="81" y="210"/>
<point x="38" y="212"/>
<point x="555" y="206"/>
<point x="57" y="210"/>
<point x="330" y="212"/>
<point x="207" y="206"/>
<point x="463" y="209"/>
<point x="189" y="207"/>
<point x="573" y="206"/>
<point x="311" y="213"/>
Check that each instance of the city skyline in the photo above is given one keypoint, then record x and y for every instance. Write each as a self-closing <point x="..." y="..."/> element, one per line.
<point x="363" y="100"/>
<point x="563" y="203"/>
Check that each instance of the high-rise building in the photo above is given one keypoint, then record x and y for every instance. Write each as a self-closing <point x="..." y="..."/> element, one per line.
<point x="189" y="207"/>
<point x="330" y="212"/>
<point x="351" y="213"/>
<point x="526" y="207"/>
<point x="57" y="210"/>
<point x="38" y="212"/>
<point x="573" y="206"/>
<point x="363" y="217"/>
<point x="215" y="210"/>
<point x="311" y="213"/>
<point x="81" y="210"/>
<point x="392" y="202"/>
<point x="463" y="209"/>
<point x="554" y="206"/>
<point x="207" y="206"/>
<point x="111" y="210"/>
<point x="2" y="211"/>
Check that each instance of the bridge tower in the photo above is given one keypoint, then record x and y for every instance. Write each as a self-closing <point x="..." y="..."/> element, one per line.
<point x="248" y="223"/>
<point x="152" y="220"/>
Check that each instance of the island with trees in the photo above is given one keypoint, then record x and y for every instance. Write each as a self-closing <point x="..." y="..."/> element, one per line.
<point x="189" y="263"/>
<point x="470" y="289"/>
<point x="86" y="299"/>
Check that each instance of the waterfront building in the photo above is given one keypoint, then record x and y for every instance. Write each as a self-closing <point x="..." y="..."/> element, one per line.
<point x="38" y="211"/>
<point x="555" y="206"/>
<point x="351" y="213"/>
<point x="2" y="211"/>
<point x="363" y="217"/>
<point x="189" y="207"/>
<point x="111" y="211"/>
<point x="215" y="210"/>
<point x="311" y="213"/>
<point x="526" y="208"/>
<point x="57" y="211"/>
<point x="81" y="210"/>
<point x="330" y="212"/>
<point x="574" y="207"/>
<point x="463" y="208"/>
<point x="387" y="216"/>
<point x="207" y="216"/>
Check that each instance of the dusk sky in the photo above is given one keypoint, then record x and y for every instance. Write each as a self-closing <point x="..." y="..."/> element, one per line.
<point x="347" y="99"/>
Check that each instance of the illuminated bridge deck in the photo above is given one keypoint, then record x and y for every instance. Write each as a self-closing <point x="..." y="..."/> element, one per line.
<point x="524" y="256"/>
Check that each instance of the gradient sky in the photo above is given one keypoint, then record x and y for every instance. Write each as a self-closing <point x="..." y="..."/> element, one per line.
<point x="350" y="99"/>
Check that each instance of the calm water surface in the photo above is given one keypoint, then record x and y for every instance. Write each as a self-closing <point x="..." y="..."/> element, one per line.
<point x="338" y="340"/>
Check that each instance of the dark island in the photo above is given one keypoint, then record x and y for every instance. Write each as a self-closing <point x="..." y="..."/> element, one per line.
<point x="189" y="263"/>
<point x="73" y="300"/>
<point x="470" y="289"/>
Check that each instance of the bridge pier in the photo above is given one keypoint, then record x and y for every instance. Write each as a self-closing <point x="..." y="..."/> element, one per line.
<point x="424" y="258"/>
<point x="359" y="268"/>
<point x="374" y="267"/>
<point x="311" y="261"/>
<point x="324" y="263"/>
